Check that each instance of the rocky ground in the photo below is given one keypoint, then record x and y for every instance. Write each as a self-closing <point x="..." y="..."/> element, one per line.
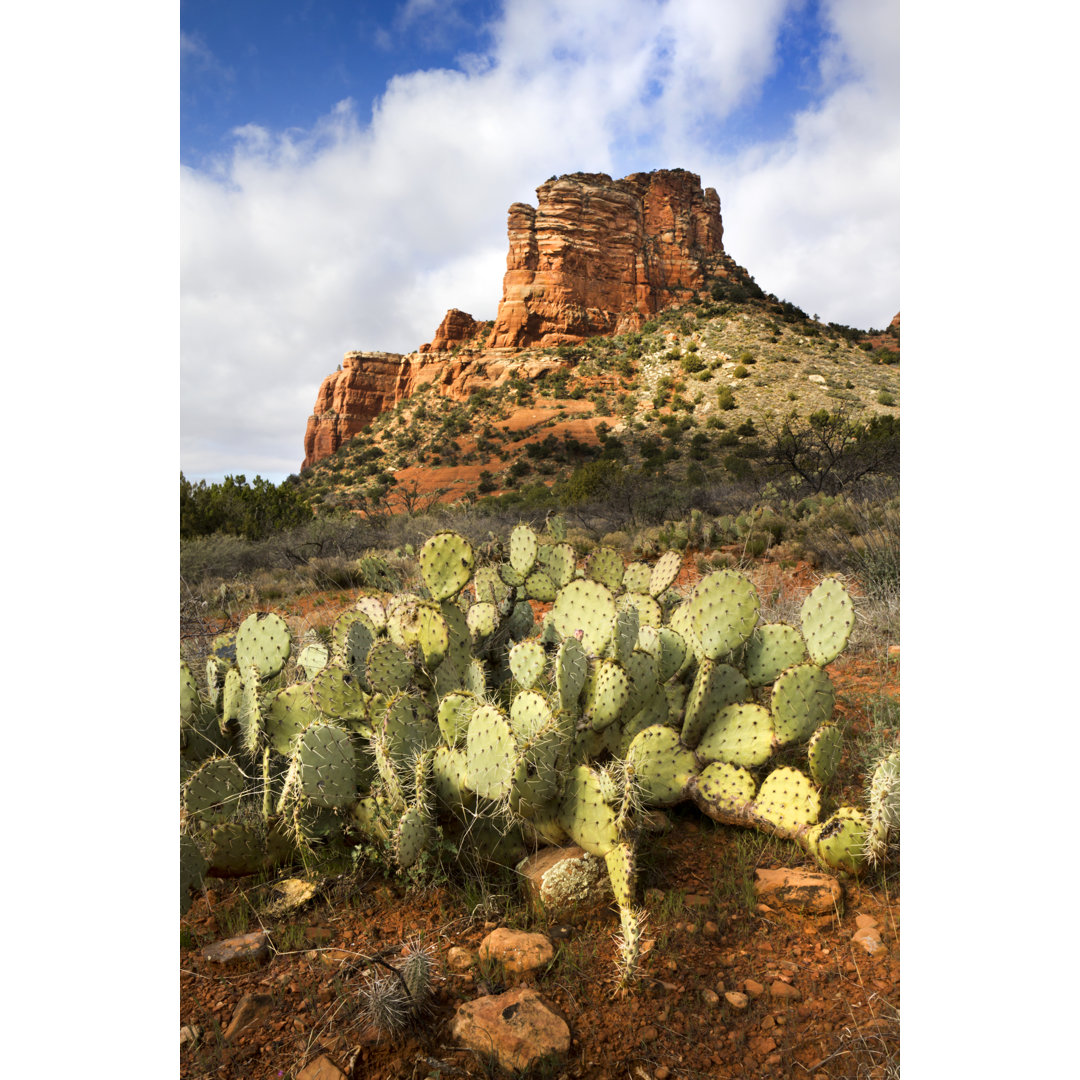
<point x="738" y="980"/>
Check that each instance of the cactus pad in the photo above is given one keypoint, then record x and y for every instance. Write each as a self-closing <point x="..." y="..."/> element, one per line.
<point x="823" y="753"/>
<point x="739" y="734"/>
<point x="491" y="753"/>
<point x="840" y="842"/>
<point x="802" y="700"/>
<point x="529" y="715"/>
<point x="585" y="814"/>
<point x="413" y="835"/>
<point x="327" y="765"/>
<point x="289" y="712"/>
<point x="559" y="562"/>
<point x="585" y="610"/>
<point x="772" y="649"/>
<point x="312" y="659"/>
<point x="263" y="642"/>
<point x="446" y="564"/>
<point x="453" y="716"/>
<point x="526" y="661"/>
<point x="636" y="578"/>
<point x="622" y="872"/>
<point x="605" y="566"/>
<point x="211" y="792"/>
<point x="523" y="547"/>
<point x="787" y="801"/>
<point x="715" y="687"/>
<point x="662" y="765"/>
<point x="726" y="787"/>
<point x="606" y="693"/>
<point x="664" y="573"/>
<point x="388" y="668"/>
<point x="827" y="617"/>
<point x="724" y="612"/>
<point x="482" y="619"/>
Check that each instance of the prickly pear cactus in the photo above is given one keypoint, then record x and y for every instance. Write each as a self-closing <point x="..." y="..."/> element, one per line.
<point x="450" y="711"/>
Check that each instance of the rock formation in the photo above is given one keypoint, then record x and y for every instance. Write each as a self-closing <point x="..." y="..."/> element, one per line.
<point x="456" y="328"/>
<point x="349" y="399"/>
<point x="596" y="256"/>
<point x="599" y="256"/>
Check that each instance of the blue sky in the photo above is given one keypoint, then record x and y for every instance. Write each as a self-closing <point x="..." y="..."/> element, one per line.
<point x="346" y="170"/>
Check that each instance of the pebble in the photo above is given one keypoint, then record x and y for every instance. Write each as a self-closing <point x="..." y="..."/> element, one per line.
<point x="736" y="1000"/>
<point x="784" y="990"/>
<point x="753" y="987"/>
<point x="648" y="1034"/>
<point x="662" y="1073"/>
<point x="710" y="929"/>
<point x="869" y="938"/>
<point x="710" y="997"/>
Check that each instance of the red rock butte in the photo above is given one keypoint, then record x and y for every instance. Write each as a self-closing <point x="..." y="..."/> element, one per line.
<point x="595" y="256"/>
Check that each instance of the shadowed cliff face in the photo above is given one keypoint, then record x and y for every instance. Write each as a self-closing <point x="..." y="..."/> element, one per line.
<point x="596" y="256"/>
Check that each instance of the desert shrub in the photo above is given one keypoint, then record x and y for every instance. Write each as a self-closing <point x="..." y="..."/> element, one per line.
<point x="725" y="399"/>
<point x="741" y="371"/>
<point x="885" y="398"/>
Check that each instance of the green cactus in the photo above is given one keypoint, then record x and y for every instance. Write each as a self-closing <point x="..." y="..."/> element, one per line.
<point x="263" y="642"/>
<point x="446" y="564"/>
<point x="828" y="617"/>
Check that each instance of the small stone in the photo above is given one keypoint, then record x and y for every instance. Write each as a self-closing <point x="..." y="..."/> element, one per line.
<point x="190" y="1033"/>
<point x="803" y="890"/>
<point x="710" y="997"/>
<point x="662" y="1073"/>
<point x="648" y="1034"/>
<point x="762" y="1045"/>
<point x="784" y="990"/>
<point x="459" y="959"/>
<point x="654" y="896"/>
<point x="318" y="935"/>
<point x="254" y="946"/>
<point x="696" y="900"/>
<point x="869" y="938"/>
<point x="519" y="1028"/>
<point x="710" y="929"/>
<point x="251" y="1010"/>
<point x="516" y="950"/>
<point x="736" y="1000"/>
<point x="865" y="920"/>
<point x="322" y="1068"/>
<point x="753" y="987"/>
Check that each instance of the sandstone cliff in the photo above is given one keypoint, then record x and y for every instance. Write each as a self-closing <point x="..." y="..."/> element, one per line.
<point x="599" y="256"/>
<point x="595" y="256"/>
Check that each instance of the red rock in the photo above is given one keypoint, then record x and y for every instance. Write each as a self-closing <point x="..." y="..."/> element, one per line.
<point x="322" y="1068"/>
<point x="254" y="946"/>
<point x="517" y="951"/>
<point x="805" y="890"/>
<point x="251" y="1010"/>
<point x="596" y="256"/>
<point x="519" y="1028"/>
<point x="456" y="328"/>
<point x="600" y="256"/>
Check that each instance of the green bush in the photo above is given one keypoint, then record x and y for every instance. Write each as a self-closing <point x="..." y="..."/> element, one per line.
<point x="725" y="399"/>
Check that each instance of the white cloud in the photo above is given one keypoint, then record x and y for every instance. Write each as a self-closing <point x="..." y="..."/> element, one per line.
<point x="304" y="244"/>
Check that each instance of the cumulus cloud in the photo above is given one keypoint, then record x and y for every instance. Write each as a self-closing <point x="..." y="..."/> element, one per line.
<point x="300" y="245"/>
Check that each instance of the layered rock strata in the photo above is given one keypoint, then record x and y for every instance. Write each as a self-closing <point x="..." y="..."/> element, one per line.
<point x="600" y="256"/>
<point x="595" y="256"/>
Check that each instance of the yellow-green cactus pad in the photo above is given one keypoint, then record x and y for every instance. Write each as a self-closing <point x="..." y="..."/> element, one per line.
<point x="787" y="800"/>
<point x="828" y="617"/>
<point x="739" y="734"/>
